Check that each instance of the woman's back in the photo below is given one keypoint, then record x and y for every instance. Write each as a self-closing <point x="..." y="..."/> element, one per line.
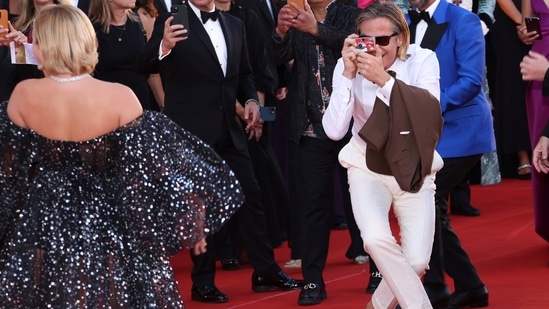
<point x="76" y="110"/>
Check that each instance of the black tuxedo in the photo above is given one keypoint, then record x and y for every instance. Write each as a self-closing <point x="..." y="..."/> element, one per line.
<point x="202" y="100"/>
<point x="198" y="96"/>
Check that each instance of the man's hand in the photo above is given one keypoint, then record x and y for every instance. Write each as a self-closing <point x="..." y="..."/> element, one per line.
<point x="251" y="114"/>
<point x="370" y="66"/>
<point x="305" y="20"/>
<point x="171" y="32"/>
<point x="534" y="66"/>
<point x="349" y="56"/>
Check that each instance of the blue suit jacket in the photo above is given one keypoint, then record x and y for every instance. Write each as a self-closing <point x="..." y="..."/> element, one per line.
<point x="455" y="35"/>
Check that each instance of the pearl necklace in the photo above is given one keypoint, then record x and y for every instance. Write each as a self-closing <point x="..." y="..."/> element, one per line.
<point x="69" y="79"/>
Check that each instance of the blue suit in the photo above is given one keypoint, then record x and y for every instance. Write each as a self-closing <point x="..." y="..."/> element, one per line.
<point x="456" y="37"/>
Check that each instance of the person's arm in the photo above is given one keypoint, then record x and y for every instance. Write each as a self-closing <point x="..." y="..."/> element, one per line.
<point x="155" y="83"/>
<point x="509" y="8"/>
<point x="469" y="58"/>
<point x="338" y="114"/>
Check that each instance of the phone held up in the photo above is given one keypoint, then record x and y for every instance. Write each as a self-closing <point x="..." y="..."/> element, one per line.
<point x="180" y="17"/>
<point x="299" y="3"/>
<point x="532" y="24"/>
<point x="267" y="113"/>
<point x="366" y="44"/>
<point x="4" y="21"/>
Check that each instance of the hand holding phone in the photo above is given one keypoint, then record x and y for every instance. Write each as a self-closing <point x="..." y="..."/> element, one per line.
<point x="532" y="24"/>
<point x="180" y="17"/>
<point x="299" y="3"/>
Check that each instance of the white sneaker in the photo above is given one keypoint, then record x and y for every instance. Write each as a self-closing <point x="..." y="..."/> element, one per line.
<point x="361" y="259"/>
<point x="293" y="264"/>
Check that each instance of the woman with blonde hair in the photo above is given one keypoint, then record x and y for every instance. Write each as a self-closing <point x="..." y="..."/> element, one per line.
<point x="116" y="192"/>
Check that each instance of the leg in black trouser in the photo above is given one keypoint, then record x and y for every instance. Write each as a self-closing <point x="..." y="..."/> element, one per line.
<point x="250" y="219"/>
<point x="447" y="254"/>
<point x="318" y="159"/>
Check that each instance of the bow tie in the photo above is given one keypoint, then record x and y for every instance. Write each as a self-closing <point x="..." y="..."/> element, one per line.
<point x="207" y="15"/>
<point x="416" y="16"/>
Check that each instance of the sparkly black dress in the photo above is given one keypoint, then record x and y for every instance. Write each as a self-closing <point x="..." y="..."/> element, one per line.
<point x="92" y="224"/>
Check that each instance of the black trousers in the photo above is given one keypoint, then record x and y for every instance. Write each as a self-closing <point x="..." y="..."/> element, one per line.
<point x="317" y="159"/>
<point x="249" y="219"/>
<point x="448" y="254"/>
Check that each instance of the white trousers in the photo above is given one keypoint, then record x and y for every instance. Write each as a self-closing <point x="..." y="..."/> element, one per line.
<point x="401" y="265"/>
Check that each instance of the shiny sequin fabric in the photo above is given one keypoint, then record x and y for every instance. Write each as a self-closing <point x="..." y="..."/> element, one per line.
<point x="92" y="224"/>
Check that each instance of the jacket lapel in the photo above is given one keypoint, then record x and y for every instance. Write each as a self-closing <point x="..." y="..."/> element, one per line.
<point x="433" y="34"/>
<point x="436" y="30"/>
<point x="229" y="40"/>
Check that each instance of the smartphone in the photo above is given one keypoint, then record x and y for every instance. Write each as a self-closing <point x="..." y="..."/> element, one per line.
<point x="267" y="113"/>
<point x="180" y="17"/>
<point x="4" y="20"/>
<point x="532" y="24"/>
<point x="299" y="3"/>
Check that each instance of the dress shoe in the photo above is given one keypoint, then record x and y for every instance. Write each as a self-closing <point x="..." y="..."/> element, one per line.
<point x="438" y="295"/>
<point x="279" y="281"/>
<point x="468" y="211"/>
<point x="474" y="298"/>
<point x="208" y="294"/>
<point x="373" y="283"/>
<point x="229" y="264"/>
<point x="312" y="294"/>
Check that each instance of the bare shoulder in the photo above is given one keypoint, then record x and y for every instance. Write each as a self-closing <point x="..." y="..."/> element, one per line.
<point x="21" y="99"/>
<point x="122" y="100"/>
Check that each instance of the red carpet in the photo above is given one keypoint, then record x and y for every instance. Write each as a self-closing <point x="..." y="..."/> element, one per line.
<point x="510" y="258"/>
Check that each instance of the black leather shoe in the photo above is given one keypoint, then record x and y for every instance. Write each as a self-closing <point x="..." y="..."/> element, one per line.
<point x="279" y="281"/>
<point x="208" y="294"/>
<point x="468" y="211"/>
<point x="438" y="295"/>
<point x="312" y="294"/>
<point x="229" y="264"/>
<point x="475" y="298"/>
<point x="373" y="283"/>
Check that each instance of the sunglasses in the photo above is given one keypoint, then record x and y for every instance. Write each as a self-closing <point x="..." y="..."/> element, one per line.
<point x="384" y="40"/>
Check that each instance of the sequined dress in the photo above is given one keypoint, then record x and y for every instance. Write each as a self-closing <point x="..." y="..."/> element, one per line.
<point x="92" y="224"/>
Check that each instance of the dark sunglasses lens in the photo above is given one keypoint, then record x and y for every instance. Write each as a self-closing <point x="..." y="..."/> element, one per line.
<point x="383" y="40"/>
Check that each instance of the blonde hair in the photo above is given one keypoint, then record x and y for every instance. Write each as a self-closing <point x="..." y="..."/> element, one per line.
<point x="66" y="39"/>
<point x="392" y="12"/>
<point x="28" y="11"/>
<point x="100" y="13"/>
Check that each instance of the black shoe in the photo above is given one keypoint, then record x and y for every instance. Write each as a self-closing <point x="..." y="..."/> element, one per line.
<point x="280" y="281"/>
<point x="468" y="211"/>
<point x="340" y="226"/>
<point x="208" y="294"/>
<point x="475" y="298"/>
<point x="312" y="294"/>
<point x="373" y="283"/>
<point x="229" y="264"/>
<point x="438" y="295"/>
